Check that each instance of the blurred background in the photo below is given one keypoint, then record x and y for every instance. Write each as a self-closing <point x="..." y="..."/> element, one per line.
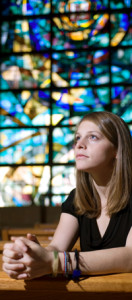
<point x="59" y="60"/>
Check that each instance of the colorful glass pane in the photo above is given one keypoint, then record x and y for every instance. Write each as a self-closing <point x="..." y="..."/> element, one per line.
<point x="24" y="146"/>
<point x="69" y="104"/>
<point x="63" y="180"/>
<point x="122" y="102"/>
<point x="78" y="6"/>
<point x="23" y="185"/>
<point x="26" y="108"/>
<point x="25" y="35"/>
<point x="63" y="140"/>
<point x="25" y="71"/>
<point x="80" y="31"/>
<point x="80" y="68"/>
<point x="25" y="8"/>
<point x="120" y="4"/>
<point x="121" y="29"/>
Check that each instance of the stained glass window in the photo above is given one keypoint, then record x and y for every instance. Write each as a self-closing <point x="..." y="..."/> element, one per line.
<point x="59" y="60"/>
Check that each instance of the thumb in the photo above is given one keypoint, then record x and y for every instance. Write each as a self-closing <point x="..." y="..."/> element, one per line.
<point x="32" y="237"/>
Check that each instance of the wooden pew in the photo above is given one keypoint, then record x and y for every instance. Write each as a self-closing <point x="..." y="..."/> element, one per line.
<point x="116" y="287"/>
<point x="45" y="225"/>
<point x="42" y="234"/>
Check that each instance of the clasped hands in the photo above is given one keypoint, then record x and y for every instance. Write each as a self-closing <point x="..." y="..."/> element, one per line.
<point x="24" y="258"/>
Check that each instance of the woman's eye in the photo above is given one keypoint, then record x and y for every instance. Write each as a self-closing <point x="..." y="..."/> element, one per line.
<point x="93" y="137"/>
<point x="77" y="139"/>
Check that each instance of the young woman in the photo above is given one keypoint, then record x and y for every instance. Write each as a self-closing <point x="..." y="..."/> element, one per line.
<point x="99" y="210"/>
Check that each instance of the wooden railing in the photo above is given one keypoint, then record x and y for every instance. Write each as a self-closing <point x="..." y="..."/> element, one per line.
<point x="108" y="287"/>
<point x="43" y="232"/>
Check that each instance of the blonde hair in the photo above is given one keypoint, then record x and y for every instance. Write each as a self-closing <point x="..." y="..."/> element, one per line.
<point x="87" y="200"/>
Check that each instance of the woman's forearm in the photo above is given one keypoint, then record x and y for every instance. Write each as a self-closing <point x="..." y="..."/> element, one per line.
<point x="115" y="260"/>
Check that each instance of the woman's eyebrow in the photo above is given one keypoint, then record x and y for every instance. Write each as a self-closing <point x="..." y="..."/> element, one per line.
<point x="91" y="131"/>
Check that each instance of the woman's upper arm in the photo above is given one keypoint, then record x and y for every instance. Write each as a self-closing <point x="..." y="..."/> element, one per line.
<point x="129" y="238"/>
<point x="66" y="233"/>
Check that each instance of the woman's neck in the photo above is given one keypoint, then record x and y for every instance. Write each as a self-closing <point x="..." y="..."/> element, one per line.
<point x="103" y="191"/>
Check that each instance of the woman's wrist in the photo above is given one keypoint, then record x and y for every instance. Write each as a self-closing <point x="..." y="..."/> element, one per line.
<point x="66" y="263"/>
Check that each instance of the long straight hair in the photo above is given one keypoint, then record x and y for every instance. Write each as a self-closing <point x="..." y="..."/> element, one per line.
<point x="87" y="200"/>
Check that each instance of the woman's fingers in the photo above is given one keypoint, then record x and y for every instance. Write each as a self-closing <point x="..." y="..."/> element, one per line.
<point x="14" y="267"/>
<point x="11" y="254"/>
<point x="20" y="242"/>
<point x="11" y="246"/>
<point x="16" y="272"/>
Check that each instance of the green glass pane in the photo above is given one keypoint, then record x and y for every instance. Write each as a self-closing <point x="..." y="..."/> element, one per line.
<point x="63" y="179"/>
<point x="25" y="71"/>
<point x="25" y="35"/>
<point x="24" y="146"/>
<point x="80" y="31"/>
<point x="25" y="8"/>
<point x="26" y="108"/>
<point x="120" y="4"/>
<point x="121" y="66"/>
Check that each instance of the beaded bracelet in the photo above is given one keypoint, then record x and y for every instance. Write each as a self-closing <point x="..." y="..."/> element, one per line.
<point x="67" y="264"/>
<point x="76" y="272"/>
<point x="55" y="264"/>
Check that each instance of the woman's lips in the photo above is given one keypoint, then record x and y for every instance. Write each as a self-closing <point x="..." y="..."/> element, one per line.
<point x="81" y="156"/>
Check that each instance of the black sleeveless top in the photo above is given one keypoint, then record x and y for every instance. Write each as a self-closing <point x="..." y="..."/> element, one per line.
<point x="90" y="238"/>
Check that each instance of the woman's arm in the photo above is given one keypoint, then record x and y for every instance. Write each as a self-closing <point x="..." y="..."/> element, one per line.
<point x="37" y="261"/>
<point x="114" y="260"/>
<point x="66" y="233"/>
<point x="25" y="258"/>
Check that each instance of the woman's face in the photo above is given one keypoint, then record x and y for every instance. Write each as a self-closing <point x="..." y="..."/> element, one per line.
<point x="94" y="153"/>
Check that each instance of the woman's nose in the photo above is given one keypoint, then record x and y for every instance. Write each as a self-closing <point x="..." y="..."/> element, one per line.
<point x="81" y="143"/>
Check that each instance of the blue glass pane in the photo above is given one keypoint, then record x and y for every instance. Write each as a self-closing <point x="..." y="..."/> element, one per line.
<point x="72" y="103"/>
<point x="25" y="8"/>
<point x="80" y="68"/>
<point x="122" y="102"/>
